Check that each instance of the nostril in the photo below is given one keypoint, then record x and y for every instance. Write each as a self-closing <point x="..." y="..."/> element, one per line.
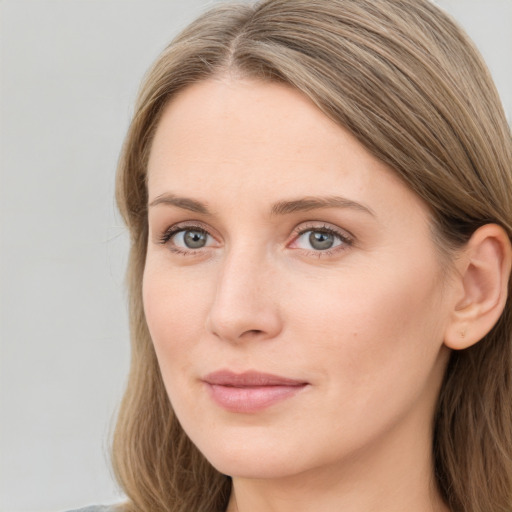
<point x="252" y="332"/>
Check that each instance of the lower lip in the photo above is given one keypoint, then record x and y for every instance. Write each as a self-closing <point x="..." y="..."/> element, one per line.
<point x="251" y="399"/>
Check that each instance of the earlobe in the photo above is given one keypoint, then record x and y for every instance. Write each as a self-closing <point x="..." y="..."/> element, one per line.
<point x="484" y="273"/>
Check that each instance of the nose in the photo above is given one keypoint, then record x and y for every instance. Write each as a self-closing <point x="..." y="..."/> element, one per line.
<point x="245" y="305"/>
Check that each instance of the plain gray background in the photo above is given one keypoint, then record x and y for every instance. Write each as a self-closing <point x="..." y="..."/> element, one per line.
<point x="70" y="70"/>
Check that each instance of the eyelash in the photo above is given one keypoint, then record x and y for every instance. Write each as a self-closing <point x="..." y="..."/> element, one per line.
<point x="179" y="228"/>
<point x="346" y="240"/>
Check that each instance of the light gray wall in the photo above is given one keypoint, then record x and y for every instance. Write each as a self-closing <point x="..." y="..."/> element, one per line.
<point x="489" y="23"/>
<point x="69" y="74"/>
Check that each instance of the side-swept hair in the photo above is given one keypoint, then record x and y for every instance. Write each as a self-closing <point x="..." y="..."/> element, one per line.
<point x="406" y="81"/>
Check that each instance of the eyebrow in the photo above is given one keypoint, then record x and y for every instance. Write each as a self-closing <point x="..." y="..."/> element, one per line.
<point x="184" y="203"/>
<point x="302" y="204"/>
<point x="305" y="204"/>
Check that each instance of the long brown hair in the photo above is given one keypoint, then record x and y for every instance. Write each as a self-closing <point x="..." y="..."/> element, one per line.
<point x="410" y="86"/>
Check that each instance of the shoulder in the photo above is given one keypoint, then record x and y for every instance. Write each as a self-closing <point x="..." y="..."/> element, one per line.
<point x="97" y="508"/>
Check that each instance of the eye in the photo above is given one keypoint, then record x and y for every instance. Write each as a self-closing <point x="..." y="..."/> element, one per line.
<point x="184" y="239"/>
<point x="320" y="239"/>
<point x="190" y="238"/>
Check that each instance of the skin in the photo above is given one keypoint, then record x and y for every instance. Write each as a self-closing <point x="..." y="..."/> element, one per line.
<point x="362" y="323"/>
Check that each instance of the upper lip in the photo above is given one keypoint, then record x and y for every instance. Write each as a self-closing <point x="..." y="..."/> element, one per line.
<point x="249" y="379"/>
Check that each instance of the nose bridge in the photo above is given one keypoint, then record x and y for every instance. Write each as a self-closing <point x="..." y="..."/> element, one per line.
<point x="244" y="305"/>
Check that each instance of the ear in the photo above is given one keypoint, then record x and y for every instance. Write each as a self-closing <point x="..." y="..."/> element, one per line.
<point x="483" y="274"/>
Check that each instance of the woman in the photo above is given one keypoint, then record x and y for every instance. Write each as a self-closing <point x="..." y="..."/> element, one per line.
<point x="319" y="199"/>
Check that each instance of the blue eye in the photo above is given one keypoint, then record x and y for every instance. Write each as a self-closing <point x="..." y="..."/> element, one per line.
<point x="186" y="238"/>
<point x="190" y="238"/>
<point x="321" y="241"/>
<point x="318" y="240"/>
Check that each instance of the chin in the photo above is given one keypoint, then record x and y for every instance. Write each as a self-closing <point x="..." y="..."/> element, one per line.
<point x="253" y="467"/>
<point x="253" y="458"/>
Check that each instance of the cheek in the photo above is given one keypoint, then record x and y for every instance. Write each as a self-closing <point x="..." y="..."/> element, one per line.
<point x="175" y="308"/>
<point x="374" y="329"/>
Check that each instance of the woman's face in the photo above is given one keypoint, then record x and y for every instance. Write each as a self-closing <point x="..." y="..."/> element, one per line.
<point x="293" y="293"/>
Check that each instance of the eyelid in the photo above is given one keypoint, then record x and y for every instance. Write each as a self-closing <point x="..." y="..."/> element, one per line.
<point x="323" y="226"/>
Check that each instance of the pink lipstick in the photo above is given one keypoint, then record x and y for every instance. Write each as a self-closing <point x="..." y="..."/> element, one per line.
<point x="250" y="391"/>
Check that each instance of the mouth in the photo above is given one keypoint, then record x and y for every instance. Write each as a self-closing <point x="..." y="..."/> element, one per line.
<point x="250" y="391"/>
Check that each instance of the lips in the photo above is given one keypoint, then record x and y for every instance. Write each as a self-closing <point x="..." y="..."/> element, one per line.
<point x="251" y="391"/>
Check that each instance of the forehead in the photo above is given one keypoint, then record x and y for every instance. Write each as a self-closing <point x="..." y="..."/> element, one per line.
<point x="229" y="118"/>
<point x="257" y="142"/>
